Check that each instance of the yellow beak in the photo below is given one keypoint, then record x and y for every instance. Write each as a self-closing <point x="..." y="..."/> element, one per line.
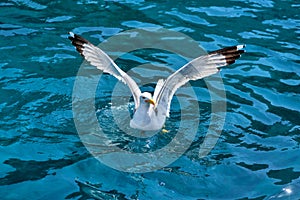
<point x="151" y="101"/>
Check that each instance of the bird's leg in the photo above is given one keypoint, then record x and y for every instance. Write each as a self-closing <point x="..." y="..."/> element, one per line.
<point x="163" y="130"/>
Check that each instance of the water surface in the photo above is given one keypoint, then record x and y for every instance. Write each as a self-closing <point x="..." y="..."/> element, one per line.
<point x="42" y="156"/>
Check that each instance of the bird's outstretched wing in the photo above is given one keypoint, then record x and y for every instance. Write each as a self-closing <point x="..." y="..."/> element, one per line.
<point x="198" y="68"/>
<point x="96" y="57"/>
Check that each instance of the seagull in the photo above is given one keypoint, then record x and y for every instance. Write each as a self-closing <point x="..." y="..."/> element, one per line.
<point x="151" y="111"/>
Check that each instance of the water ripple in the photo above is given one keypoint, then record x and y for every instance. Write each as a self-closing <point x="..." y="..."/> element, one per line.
<point x="257" y="155"/>
<point x="229" y="12"/>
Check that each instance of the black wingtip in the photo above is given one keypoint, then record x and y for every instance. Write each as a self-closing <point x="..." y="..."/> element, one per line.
<point x="231" y="54"/>
<point x="77" y="41"/>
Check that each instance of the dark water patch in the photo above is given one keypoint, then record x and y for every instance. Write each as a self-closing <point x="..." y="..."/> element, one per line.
<point x="284" y="175"/>
<point x="31" y="170"/>
<point x="88" y="190"/>
<point x="254" y="166"/>
<point x="257" y="147"/>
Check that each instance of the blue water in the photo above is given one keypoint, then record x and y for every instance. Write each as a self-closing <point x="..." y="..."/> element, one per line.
<point x="257" y="154"/>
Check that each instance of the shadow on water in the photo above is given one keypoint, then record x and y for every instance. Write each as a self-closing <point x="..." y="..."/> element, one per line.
<point x="88" y="190"/>
<point x="32" y="170"/>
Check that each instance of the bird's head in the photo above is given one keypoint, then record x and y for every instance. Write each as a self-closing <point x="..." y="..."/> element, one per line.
<point x="147" y="98"/>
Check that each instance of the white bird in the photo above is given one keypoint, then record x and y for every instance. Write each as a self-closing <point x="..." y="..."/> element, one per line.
<point x="151" y="111"/>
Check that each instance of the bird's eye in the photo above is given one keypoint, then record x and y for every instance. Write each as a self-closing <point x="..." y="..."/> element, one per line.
<point x="143" y="97"/>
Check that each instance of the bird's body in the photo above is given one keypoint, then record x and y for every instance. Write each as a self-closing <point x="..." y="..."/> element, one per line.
<point x="151" y="111"/>
<point x="147" y="116"/>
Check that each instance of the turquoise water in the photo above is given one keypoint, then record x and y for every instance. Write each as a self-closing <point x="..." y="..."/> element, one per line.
<point x="257" y="154"/>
